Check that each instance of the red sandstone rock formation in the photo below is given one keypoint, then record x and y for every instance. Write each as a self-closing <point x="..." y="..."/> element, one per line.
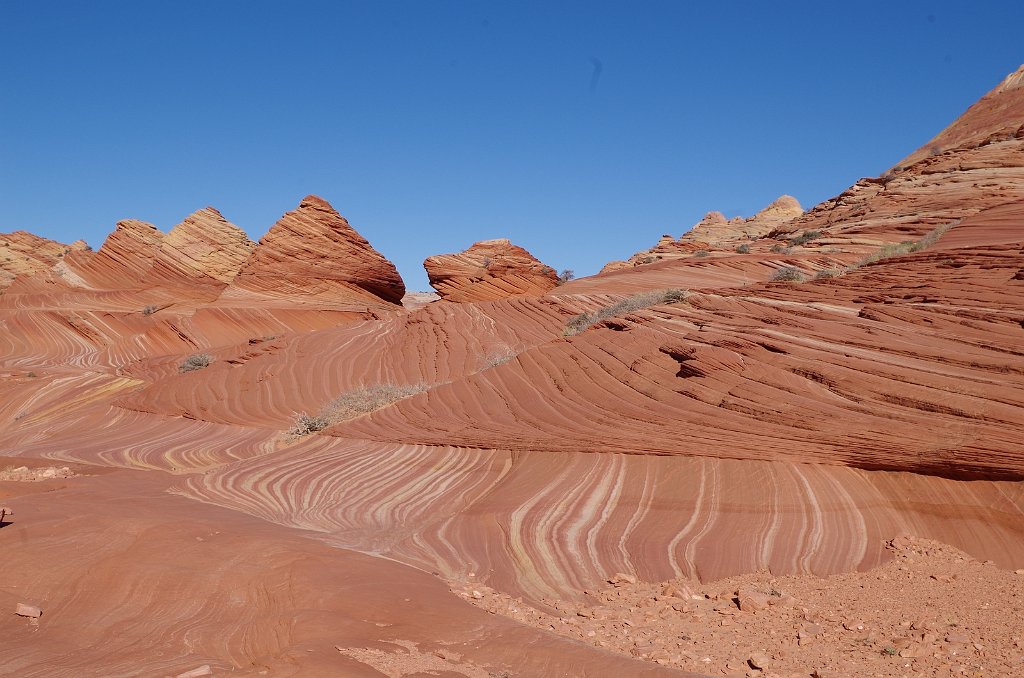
<point x="312" y="253"/>
<point x="715" y="228"/>
<point x="975" y="163"/>
<point x="747" y="426"/>
<point x="489" y="270"/>
<point x="23" y="253"/>
<point x="205" y="247"/>
<point x="716" y="233"/>
<point x="123" y="261"/>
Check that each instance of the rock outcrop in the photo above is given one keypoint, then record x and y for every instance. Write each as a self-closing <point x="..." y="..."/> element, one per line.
<point x="715" y="228"/>
<point x="123" y="261"/>
<point x="312" y="253"/>
<point x="23" y="253"/>
<point x="716" y="233"/>
<point x="489" y="270"/>
<point x="205" y="247"/>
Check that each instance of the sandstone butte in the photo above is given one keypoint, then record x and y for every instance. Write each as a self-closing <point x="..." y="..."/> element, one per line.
<point x="487" y="271"/>
<point x="487" y="493"/>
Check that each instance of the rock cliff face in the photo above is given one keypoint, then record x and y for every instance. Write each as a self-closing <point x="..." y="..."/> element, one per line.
<point x="205" y="247"/>
<point x="490" y="269"/>
<point x="313" y="253"/>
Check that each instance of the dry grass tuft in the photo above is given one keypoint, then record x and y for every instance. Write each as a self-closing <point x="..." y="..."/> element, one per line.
<point x="623" y="307"/>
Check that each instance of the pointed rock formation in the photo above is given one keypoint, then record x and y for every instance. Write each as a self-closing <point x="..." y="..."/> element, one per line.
<point x="23" y="253"/>
<point x="313" y="252"/>
<point x="490" y="269"/>
<point x="205" y="247"/>
<point x="123" y="261"/>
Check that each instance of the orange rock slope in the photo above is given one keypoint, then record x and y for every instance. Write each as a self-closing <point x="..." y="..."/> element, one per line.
<point x="301" y="501"/>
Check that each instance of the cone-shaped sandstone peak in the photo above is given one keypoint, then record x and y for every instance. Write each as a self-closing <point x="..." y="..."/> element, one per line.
<point x="204" y="246"/>
<point x="313" y="247"/>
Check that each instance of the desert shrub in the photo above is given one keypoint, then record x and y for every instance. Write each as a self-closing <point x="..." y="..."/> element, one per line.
<point x="826" y="273"/>
<point x="891" y="174"/>
<point x="787" y="274"/>
<point x="623" y="307"/>
<point x="743" y="249"/>
<point x="701" y="253"/>
<point x="352" y="404"/>
<point x="566" y="275"/>
<point x="804" y="237"/>
<point x="306" y="424"/>
<point x="781" y="249"/>
<point x="150" y="309"/>
<point x="932" y="236"/>
<point x="905" y="247"/>
<point x="196" y="361"/>
<point x="495" y="358"/>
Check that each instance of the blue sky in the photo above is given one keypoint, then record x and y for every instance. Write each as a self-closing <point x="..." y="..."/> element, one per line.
<point x="580" y="130"/>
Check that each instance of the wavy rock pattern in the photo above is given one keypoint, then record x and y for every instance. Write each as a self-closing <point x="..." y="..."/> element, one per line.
<point x="749" y="424"/>
<point x="489" y="270"/>
<point x="552" y="525"/>
<point x="167" y="585"/>
<point x="799" y="371"/>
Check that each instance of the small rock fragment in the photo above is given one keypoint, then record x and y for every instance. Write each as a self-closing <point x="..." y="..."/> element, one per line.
<point x="26" y="610"/>
<point x="752" y="601"/>
<point x="759" y="660"/>
<point x="620" y="579"/>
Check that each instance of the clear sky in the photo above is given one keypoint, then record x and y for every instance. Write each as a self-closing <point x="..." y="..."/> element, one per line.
<point x="580" y="130"/>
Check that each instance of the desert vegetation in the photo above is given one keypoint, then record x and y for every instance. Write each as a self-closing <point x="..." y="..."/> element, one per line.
<point x="625" y="306"/>
<point x="804" y="237"/>
<point x="196" y="361"/>
<point x="787" y="274"/>
<point x="905" y="247"/>
<point x="352" y="404"/>
<point x="743" y="249"/>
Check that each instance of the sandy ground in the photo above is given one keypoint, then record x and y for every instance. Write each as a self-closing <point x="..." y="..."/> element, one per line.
<point x="930" y="611"/>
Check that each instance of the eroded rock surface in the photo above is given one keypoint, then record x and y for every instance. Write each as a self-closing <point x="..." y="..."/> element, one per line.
<point x="489" y="270"/>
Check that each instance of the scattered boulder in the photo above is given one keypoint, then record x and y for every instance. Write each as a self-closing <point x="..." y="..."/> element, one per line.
<point x="752" y="601"/>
